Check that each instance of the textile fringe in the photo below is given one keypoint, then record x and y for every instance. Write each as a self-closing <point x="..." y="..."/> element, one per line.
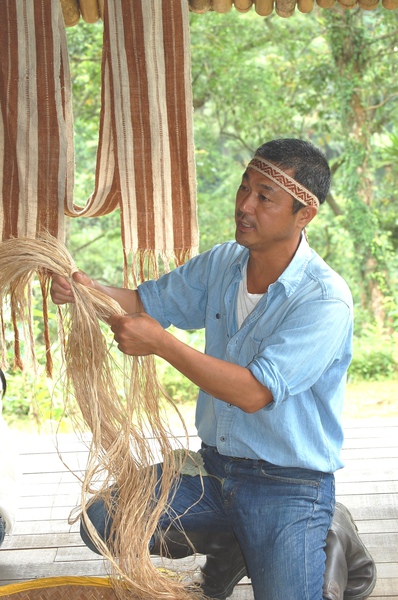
<point x="129" y="431"/>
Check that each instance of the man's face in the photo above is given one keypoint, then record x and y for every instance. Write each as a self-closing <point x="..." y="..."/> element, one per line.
<point x="264" y="213"/>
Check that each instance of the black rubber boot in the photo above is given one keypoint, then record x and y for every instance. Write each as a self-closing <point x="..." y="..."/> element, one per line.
<point x="224" y="566"/>
<point x="350" y="570"/>
<point x="223" y="569"/>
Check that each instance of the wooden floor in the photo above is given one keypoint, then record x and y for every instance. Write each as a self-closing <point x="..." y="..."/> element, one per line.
<point x="44" y="545"/>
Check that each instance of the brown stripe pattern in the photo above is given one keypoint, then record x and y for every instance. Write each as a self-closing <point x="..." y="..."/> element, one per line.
<point x="145" y="160"/>
<point x="290" y="185"/>
<point x="33" y="140"/>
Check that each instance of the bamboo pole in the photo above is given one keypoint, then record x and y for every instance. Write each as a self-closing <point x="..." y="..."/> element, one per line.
<point x="264" y="7"/>
<point x="222" y="6"/>
<point x="71" y="12"/>
<point x="89" y="10"/>
<point x="243" y="5"/>
<point x="305" y="6"/>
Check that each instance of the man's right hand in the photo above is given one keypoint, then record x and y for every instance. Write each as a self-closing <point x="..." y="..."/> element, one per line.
<point x="61" y="290"/>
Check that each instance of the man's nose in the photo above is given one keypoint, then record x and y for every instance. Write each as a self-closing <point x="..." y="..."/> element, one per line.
<point x="247" y="203"/>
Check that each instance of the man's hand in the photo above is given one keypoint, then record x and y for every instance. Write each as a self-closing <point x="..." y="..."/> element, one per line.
<point x="61" y="290"/>
<point x="138" y="334"/>
<point x="62" y="293"/>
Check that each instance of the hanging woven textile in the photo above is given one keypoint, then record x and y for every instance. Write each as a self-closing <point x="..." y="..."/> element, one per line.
<point x="145" y="162"/>
<point x="36" y="149"/>
<point x="145" y="158"/>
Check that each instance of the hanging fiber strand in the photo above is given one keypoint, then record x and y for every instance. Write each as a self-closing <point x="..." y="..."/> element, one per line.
<point x="119" y="452"/>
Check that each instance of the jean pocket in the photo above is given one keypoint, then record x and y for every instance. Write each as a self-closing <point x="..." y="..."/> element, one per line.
<point x="291" y="476"/>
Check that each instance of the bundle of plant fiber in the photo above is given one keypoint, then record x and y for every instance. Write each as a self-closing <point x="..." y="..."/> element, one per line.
<point x="129" y="431"/>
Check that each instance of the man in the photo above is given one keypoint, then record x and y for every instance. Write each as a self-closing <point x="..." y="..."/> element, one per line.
<point x="278" y="327"/>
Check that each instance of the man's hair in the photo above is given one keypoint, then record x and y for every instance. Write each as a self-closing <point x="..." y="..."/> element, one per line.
<point x="309" y="164"/>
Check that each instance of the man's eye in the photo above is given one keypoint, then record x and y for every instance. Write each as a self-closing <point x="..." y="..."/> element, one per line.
<point x="264" y="199"/>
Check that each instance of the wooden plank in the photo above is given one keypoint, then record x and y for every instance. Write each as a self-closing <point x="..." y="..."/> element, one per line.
<point x="386" y="588"/>
<point x="382" y="473"/>
<point x="52" y="527"/>
<point x="349" y="454"/>
<point x="42" y="478"/>
<point x="384" y="554"/>
<point x="368" y="488"/>
<point x="75" y="554"/>
<point x="51" y="463"/>
<point x="371" y="464"/>
<point x="367" y="431"/>
<point x="33" y="570"/>
<point x="242" y="592"/>
<point x="386" y="506"/>
<point x="44" y="540"/>
<point x="374" y="442"/>
<point x="24" y="558"/>
<point x="375" y="422"/>
<point x="66" y="500"/>
<point x="381" y="540"/>
<point x="43" y="514"/>
<point x="378" y="526"/>
<point x="49" y="489"/>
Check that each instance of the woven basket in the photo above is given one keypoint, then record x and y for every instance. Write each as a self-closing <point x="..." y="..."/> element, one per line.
<point x="60" y="588"/>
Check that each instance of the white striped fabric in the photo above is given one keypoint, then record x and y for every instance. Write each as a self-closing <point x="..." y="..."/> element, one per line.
<point x="33" y="131"/>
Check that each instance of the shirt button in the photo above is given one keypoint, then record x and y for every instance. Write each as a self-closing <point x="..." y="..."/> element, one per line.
<point x="222" y="438"/>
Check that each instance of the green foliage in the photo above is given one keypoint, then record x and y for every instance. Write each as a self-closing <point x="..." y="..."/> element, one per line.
<point x="95" y="244"/>
<point x="372" y="365"/>
<point x="315" y="76"/>
<point x="29" y="401"/>
<point x="375" y="356"/>
<point x="85" y="55"/>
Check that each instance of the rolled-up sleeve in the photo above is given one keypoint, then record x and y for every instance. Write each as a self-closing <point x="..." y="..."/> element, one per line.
<point x="179" y="298"/>
<point x="305" y="345"/>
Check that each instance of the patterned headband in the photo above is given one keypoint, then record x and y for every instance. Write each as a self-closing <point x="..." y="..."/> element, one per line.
<point x="290" y="185"/>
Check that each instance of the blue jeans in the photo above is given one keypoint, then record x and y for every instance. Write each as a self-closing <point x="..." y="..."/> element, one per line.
<point x="279" y="515"/>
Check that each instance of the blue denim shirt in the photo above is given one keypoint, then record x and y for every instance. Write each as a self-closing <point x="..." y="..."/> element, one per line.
<point x="297" y="342"/>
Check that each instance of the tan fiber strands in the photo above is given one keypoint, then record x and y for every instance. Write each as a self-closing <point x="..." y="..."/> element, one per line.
<point x="120" y="451"/>
<point x="145" y="160"/>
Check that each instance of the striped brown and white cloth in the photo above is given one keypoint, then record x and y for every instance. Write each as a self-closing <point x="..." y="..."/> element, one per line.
<point x="145" y="162"/>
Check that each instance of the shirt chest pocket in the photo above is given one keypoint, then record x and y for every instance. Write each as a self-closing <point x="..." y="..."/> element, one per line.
<point x="216" y="332"/>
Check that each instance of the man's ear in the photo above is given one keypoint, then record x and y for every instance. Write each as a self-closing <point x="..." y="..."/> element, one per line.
<point x="307" y="213"/>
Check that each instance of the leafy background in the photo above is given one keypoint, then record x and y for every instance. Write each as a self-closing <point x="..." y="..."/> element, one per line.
<point x="328" y="76"/>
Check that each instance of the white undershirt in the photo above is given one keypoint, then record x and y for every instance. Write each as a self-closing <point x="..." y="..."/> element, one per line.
<point x="245" y="302"/>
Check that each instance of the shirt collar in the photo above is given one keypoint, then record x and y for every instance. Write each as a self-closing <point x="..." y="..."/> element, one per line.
<point x="293" y="273"/>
